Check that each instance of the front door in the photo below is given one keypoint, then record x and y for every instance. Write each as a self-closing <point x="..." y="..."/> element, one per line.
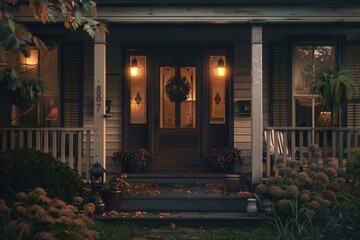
<point x="177" y="109"/>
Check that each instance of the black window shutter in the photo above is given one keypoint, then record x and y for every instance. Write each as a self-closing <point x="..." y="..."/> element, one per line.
<point x="72" y="84"/>
<point x="353" y="64"/>
<point x="279" y="87"/>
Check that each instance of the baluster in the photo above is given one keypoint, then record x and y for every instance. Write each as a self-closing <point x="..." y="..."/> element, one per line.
<point x="46" y="141"/>
<point x="12" y="139"/>
<point x="54" y="144"/>
<point x="87" y="153"/>
<point x="62" y="158"/>
<point x="21" y="138"/>
<point x="79" y="147"/>
<point x="4" y="140"/>
<point x="71" y="150"/>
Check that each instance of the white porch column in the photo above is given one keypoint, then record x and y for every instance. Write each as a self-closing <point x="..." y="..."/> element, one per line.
<point x="100" y="97"/>
<point x="256" y="102"/>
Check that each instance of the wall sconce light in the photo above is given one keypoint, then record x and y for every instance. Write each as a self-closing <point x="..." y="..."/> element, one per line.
<point x="220" y="68"/>
<point x="134" y="68"/>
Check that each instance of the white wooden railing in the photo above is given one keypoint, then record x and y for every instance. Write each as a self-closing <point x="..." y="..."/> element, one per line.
<point x="295" y="141"/>
<point x="68" y="145"/>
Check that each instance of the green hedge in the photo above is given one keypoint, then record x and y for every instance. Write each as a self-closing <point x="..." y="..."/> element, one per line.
<point x="22" y="170"/>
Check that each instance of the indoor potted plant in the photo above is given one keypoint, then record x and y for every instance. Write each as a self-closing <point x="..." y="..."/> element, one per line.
<point x="113" y="190"/>
<point x="335" y="88"/>
<point x="223" y="160"/>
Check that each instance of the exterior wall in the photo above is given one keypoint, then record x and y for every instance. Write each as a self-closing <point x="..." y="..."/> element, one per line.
<point x="237" y="36"/>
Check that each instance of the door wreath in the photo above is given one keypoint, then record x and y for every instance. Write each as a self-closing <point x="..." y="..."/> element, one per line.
<point x="177" y="89"/>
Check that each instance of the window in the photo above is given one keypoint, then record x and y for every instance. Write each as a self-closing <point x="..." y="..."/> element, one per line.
<point x="138" y="98"/>
<point x="44" y="67"/>
<point x="217" y="91"/>
<point x="308" y="60"/>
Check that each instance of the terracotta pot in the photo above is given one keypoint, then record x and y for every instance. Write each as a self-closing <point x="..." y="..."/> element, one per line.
<point x="232" y="183"/>
<point x="112" y="199"/>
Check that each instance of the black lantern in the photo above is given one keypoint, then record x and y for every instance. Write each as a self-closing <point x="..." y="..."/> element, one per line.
<point x="96" y="177"/>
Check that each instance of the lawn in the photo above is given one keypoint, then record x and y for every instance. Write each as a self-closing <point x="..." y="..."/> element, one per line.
<point x="124" y="231"/>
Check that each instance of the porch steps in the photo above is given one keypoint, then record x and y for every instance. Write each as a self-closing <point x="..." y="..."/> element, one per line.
<point x="185" y="199"/>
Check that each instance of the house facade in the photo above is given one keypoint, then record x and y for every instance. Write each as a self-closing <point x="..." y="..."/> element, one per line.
<point x="268" y="50"/>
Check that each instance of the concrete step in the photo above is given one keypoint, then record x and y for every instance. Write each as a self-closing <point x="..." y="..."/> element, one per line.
<point x="180" y="202"/>
<point x="185" y="178"/>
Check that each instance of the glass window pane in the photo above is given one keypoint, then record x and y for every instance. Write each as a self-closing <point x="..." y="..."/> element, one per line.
<point x="167" y="108"/>
<point x="217" y="92"/>
<point x="309" y="61"/>
<point x="185" y="116"/>
<point x="188" y="107"/>
<point x="138" y="92"/>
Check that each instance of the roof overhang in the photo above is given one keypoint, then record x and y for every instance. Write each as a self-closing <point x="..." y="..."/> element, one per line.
<point x="226" y="15"/>
<point x="229" y="14"/>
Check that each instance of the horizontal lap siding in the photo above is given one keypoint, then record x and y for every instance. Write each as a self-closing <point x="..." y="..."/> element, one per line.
<point x="242" y="91"/>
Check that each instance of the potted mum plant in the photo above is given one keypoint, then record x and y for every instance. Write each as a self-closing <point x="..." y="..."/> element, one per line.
<point x="223" y="160"/>
<point x="140" y="158"/>
<point x="113" y="190"/>
<point x="132" y="160"/>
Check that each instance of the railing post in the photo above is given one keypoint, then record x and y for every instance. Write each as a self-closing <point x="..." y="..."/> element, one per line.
<point x="256" y="101"/>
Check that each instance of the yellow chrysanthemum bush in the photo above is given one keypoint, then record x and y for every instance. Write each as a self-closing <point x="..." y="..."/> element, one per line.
<point x="37" y="216"/>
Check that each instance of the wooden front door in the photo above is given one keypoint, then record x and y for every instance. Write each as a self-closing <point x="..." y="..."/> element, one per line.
<point x="177" y="109"/>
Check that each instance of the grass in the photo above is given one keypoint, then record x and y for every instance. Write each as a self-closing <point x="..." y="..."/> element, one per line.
<point x="114" y="230"/>
<point x="126" y="231"/>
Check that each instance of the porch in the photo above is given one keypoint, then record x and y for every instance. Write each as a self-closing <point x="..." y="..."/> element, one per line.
<point x="68" y="145"/>
<point x="73" y="145"/>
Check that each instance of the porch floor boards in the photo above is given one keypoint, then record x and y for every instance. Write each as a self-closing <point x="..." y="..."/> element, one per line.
<point x="184" y="198"/>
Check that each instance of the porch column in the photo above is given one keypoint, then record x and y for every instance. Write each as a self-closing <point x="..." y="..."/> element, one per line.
<point x="256" y="102"/>
<point x="100" y="97"/>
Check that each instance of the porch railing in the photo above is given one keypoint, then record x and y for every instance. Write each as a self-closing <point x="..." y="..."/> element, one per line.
<point x="295" y="141"/>
<point x="68" y="145"/>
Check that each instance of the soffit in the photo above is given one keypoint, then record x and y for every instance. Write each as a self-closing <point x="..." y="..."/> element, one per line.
<point x="222" y="15"/>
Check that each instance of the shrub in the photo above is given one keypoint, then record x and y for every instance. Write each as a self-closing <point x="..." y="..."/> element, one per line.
<point x="37" y="216"/>
<point x="312" y="190"/>
<point x="22" y="170"/>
